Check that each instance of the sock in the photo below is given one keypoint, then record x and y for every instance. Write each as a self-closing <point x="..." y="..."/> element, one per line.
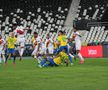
<point x="70" y="58"/>
<point x="38" y="59"/>
<point x="80" y="56"/>
<point x="0" y="59"/>
<point x="4" y="59"/>
<point x="71" y="55"/>
<point x="43" y="62"/>
<point x="14" y="58"/>
<point x="21" y="53"/>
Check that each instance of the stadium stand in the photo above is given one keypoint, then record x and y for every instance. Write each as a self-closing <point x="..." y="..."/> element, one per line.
<point x="44" y="16"/>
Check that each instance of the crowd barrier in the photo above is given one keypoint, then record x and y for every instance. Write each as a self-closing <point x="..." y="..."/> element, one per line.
<point x="86" y="51"/>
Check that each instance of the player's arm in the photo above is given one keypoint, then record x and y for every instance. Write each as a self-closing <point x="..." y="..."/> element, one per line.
<point x="5" y="46"/>
<point x="34" y="43"/>
<point x="38" y="45"/>
<point x="73" y="37"/>
<point x="48" y="43"/>
<point x="58" y="42"/>
<point x="7" y="41"/>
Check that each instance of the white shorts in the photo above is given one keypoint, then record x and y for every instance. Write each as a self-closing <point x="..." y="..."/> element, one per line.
<point x="78" y="46"/>
<point x="34" y="51"/>
<point x="42" y="50"/>
<point x="2" y="52"/>
<point x="21" y="41"/>
<point x="50" y="50"/>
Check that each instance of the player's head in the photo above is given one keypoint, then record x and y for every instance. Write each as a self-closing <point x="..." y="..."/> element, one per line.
<point x="74" y="29"/>
<point x="35" y="34"/>
<point x="14" y="26"/>
<point x="0" y="36"/>
<point x="60" y="33"/>
<point x="64" y="33"/>
<point x="48" y="36"/>
<point x="12" y="34"/>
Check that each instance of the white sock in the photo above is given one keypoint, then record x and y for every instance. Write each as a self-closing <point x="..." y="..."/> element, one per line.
<point x="80" y="56"/>
<point x="39" y="59"/>
<point x="22" y="50"/>
<point x="71" y="55"/>
<point x="0" y="59"/>
<point x="4" y="59"/>
<point x="19" y="51"/>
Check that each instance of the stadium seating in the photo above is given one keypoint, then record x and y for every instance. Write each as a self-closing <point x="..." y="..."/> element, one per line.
<point x="44" y="17"/>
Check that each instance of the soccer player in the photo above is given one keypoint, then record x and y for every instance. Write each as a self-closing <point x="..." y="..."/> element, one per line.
<point x="2" y="49"/>
<point x="49" y="45"/>
<point x="63" y="45"/>
<point x="72" y="50"/>
<point x="37" y="44"/>
<point x="11" y="47"/>
<point x="77" y="38"/>
<point x="19" y="32"/>
<point x="56" y="61"/>
<point x="62" y="57"/>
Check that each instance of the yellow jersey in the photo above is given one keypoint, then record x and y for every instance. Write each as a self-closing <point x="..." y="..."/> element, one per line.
<point x="11" y="42"/>
<point x="57" y="60"/>
<point x="55" y="45"/>
<point x="63" y="40"/>
<point x="64" y="55"/>
<point x="33" y="40"/>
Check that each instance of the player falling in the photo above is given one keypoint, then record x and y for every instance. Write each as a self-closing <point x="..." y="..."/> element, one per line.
<point x="77" y="38"/>
<point x="63" y="45"/>
<point x="2" y="49"/>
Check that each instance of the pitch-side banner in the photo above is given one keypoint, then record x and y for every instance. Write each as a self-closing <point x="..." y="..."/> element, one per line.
<point x="92" y="51"/>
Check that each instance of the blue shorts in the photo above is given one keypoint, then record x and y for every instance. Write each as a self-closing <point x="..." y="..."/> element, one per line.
<point x="52" y="63"/>
<point x="11" y="50"/>
<point x="63" y="48"/>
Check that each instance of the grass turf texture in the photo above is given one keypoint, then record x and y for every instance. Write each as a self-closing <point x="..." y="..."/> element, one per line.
<point x="92" y="75"/>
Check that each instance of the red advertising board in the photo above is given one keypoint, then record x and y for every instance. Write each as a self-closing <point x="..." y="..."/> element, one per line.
<point x="92" y="51"/>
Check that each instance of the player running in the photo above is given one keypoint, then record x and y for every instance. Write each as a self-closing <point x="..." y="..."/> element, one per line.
<point x="19" y="32"/>
<point x="2" y="49"/>
<point x="77" y="38"/>
<point x="11" y="47"/>
<point x="37" y="45"/>
<point x="49" y="45"/>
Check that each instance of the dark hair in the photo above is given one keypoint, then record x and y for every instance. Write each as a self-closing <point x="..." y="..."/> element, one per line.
<point x="61" y="32"/>
<point x="64" y="32"/>
<point x="0" y="35"/>
<point x="75" y="28"/>
<point x="35" y="33"/>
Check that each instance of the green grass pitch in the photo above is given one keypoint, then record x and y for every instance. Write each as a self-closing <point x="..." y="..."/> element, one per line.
<point x="92" y="75"/>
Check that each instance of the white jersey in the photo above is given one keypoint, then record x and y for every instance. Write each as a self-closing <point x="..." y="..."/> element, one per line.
<point x="42" y="49"/>
<point x="50" y="46"/>
<point x="77" y="37"/>
<point x="2" y="44"/>
<point x="50" y="41"/>
<point x="77" y="40"/>
<point x="38" y="40"/>
<point x="19" y="31"/>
